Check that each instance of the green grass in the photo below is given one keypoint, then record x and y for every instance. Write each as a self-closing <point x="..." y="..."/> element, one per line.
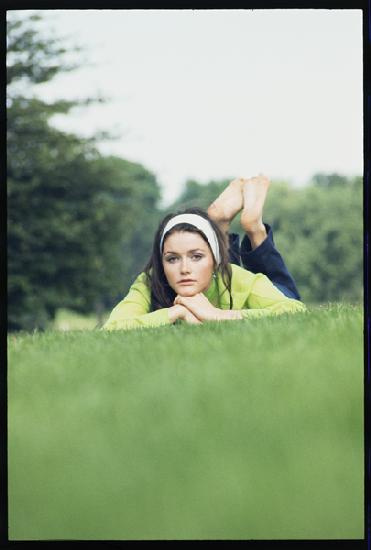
<point x="67" y="320"/>
<point x="238" y="430"/>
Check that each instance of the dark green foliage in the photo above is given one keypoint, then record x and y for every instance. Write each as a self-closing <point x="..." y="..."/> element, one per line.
<point x="30" y="56"/>
<point x="198" y="194"/>
<point x="319" y="230"/>
<point x="138" y="216"/>
<point x="73" y="216"/>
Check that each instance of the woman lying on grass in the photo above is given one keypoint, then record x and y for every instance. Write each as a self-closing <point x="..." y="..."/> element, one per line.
<point x="194" y="276"/>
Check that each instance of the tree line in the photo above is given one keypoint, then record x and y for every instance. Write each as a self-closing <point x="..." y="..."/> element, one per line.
<point x="81" y="224"/>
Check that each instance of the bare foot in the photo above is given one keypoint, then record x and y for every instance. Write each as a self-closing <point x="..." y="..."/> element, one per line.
<point x="225" y="207"/>
<point x="254" y="193"/>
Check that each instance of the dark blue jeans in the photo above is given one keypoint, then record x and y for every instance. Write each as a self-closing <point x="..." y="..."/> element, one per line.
<point x="264" y="259"/>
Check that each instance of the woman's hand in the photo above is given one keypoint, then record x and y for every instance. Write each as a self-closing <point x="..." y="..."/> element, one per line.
<point x="201" y="308"/>
<point x="180" y="312"/>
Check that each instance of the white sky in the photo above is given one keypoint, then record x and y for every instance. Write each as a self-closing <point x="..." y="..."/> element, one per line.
<point x="212" y="94"/>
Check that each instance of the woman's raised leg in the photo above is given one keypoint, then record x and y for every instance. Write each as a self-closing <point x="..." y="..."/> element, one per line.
<point x="254" y="193"/>
<point x="258" y="252"/>
<point x="224" y="209"/>
<point x="227" y="205"/>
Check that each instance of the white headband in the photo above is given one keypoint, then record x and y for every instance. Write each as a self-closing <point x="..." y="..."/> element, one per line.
<point x="202" y="224"/>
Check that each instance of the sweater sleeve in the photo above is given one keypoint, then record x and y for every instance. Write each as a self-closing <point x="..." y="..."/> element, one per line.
<point x="265" y="299"/>
<point x="134" y="310"/>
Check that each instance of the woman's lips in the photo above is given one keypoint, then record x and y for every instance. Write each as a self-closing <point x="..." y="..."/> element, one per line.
<point x="186" y="282"/>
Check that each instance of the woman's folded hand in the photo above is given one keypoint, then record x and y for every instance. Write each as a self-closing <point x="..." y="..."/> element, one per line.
<point x="181" y="312"/>
<point x="200" y="306"/>
<point x="203" y="310"/>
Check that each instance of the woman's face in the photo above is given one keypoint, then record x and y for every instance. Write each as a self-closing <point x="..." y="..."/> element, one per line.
<point x="188" y="263"/>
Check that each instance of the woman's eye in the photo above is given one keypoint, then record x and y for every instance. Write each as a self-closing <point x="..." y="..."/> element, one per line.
<point x="171" y="260"/>
<point x="197" y="256"/>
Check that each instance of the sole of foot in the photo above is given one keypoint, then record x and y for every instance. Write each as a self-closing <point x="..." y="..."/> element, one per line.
<point x="254" y="193"/>
<point x="228" y="204"/>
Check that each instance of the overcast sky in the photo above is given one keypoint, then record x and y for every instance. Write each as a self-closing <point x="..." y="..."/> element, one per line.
<point x="219" y="93"/>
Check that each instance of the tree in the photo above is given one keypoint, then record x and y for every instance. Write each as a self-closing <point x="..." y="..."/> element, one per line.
<point x="137" y="216"/>
<point x="68" y="208"/>
<point x="198" y="194"/>
<point x="322" y="179"/>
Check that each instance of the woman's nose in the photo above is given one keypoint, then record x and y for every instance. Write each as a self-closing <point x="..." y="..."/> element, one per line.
<point x="184" y="267"/>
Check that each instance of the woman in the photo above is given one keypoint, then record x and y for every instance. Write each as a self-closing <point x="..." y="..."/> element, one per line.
<point x="189" y="276"/>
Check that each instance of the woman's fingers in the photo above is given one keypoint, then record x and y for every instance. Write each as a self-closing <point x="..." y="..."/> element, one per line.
<point x="191" y="303"/>
<point x="179" y="300"/>
<point x="200" y="306"/>
<point x="183" y="312"/>
<point x="183" y="300"/>
<point x="192" y="319"/>
<point x="186" y="302"/>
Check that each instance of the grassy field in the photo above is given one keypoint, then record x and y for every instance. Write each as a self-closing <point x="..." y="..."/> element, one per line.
<point x="67" y="320"/>
<point x="239" y="430"/>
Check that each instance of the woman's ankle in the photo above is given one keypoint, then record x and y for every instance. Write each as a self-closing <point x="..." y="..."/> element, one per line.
<point x="223" y="224"/>
<point x="256" y="235"/>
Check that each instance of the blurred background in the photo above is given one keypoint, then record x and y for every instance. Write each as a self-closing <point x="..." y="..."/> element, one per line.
<point x="116" y="117"/>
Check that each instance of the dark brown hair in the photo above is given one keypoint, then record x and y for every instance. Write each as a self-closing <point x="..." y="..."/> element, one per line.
<point x="162" y="295"/>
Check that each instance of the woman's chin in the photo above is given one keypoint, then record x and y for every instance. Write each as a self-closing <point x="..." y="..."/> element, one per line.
<point x="187" y="292"/>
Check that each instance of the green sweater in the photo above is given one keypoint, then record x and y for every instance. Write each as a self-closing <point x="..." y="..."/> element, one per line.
<point x="253" y="293"/>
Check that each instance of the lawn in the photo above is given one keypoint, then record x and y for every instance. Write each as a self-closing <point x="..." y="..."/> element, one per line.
<point x="237" y="430"/>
